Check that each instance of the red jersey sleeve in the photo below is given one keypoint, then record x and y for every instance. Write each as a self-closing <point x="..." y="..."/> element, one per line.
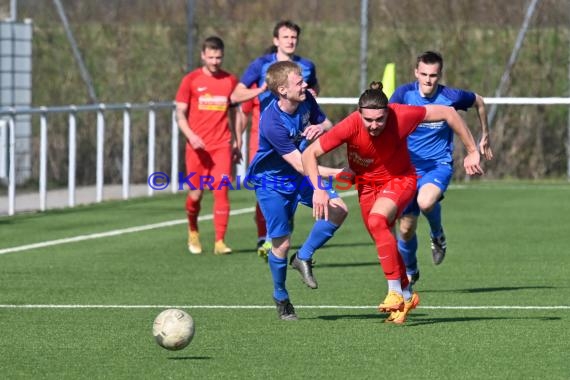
<point x="341" y="133"/>
<point x="184" y="92"/>
<point x="408" y="117"/>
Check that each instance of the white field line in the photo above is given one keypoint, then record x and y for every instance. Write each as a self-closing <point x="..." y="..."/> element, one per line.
<point x="253" y="307"/>
<point x="124" y="231"/>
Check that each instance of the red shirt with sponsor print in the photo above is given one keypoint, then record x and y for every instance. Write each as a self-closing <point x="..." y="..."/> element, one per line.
<point x="378" y="159"/>
<point x="208" y="99"/>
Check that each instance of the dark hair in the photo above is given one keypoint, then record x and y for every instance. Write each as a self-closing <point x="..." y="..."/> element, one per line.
<point x="373" y="98"/>
<point x="270" y="50"/>
<point x="430" y="57"/>
<point x="213" y="43"/>
<point x="287" y="24"/>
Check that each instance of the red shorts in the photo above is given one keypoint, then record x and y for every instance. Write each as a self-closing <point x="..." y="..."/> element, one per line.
<point x="207" y="168"/>
<point x="401" y="190"/>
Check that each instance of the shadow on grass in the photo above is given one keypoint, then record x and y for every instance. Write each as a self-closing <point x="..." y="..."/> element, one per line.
<point x="190" y="358"/>
<point x="415" y="321"/>
<point x="344" y="265"/>
<point x="487" y="290"/>
<point x="378" y="316"/>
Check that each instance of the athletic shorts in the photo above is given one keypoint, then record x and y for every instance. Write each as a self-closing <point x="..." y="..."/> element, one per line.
<point x="401" y="190"/>
<point x="279" y="207"/>
<point x="205" y="169"/>
<point x="438" y="175"/>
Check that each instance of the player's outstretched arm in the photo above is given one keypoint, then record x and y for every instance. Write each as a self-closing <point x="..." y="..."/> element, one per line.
<point x="242" y="94"/>
<point x="311" y="168"/>
<point x="471" y="163"/>
<point x="485" y="143"/>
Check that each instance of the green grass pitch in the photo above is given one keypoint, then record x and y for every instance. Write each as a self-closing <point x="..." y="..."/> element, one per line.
<point x="498" y="306"/>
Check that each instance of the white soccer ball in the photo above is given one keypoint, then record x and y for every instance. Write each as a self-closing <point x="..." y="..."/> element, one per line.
<point x="173" y="329"/>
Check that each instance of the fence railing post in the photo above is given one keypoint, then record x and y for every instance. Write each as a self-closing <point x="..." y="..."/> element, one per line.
<point x="71" y="156"/>
<point x="174" y="155"/>
<point x="126" y="150"/>
<point x="43" y="159"/>
<point x="12" y="165"/>
<point x="100" y="151"/>
<point x="151" y="143"/>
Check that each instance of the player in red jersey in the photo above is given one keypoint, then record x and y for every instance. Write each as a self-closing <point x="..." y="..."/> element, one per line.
<point x="385" y="178"/>
<point x="204" y="116"/>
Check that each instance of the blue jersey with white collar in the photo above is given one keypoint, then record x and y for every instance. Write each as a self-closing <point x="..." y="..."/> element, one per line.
<point x="256" y="71"/>
<point x="432" y="142"/>
<point x="280" y="133"/>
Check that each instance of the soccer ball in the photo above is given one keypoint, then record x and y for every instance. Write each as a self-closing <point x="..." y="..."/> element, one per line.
<point x="173" y="329"/>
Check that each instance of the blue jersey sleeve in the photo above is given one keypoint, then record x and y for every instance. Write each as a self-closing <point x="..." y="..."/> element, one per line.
<point x="460" y="99"/>
<point x="278" y="135"/>
<point x="253" y="73"/>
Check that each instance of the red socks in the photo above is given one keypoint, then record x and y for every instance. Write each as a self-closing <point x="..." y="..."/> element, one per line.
<point x="386" y="245"/>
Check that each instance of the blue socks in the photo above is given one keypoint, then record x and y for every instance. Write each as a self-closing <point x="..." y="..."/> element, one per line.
<point x="322" y="231"/>
<point x="434" y="219"/>
<point x="278" y="269"/>
<point x="408" y="250"/>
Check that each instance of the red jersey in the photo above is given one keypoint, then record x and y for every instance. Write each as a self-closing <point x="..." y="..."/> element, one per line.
<point x="208" y="99"/>
<point x="379" y="159"/>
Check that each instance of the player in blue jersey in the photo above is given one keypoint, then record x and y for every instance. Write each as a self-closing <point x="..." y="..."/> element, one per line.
<point x="287" y="125"/>
<point x="252" y="84"/>
<point x="285" y="39"/>
<point x="431" y="151"/>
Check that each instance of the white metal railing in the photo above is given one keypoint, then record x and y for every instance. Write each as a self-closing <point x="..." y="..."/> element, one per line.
<point x="11" y="113"/>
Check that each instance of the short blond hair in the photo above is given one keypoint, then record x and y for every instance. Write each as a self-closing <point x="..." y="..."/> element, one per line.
<point x="278" y="74"/>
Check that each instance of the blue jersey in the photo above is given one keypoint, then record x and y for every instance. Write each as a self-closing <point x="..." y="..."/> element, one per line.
<point x="280" y="133"/>
<point x="432" y="142"/>
<point x="255" y="73"/>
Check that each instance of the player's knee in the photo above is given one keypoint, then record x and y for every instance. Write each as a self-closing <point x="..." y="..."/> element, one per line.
<point x="195" y="195"/>
<point x="281" y="245"/>
<point x="377" y="222"/>
<point x="407" y="234"/>
<point x="407" y="228"/>
<point x="426" y="205"/>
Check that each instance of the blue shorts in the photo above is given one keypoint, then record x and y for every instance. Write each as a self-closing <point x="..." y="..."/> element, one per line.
<point x="438" y="175"/>
<point x="279" y="207"/>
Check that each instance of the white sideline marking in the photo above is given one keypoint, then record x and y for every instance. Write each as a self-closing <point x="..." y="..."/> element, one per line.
<point x="253" y="307"/>
<point x="114" y="232"/>
<point x="129" y="230"/>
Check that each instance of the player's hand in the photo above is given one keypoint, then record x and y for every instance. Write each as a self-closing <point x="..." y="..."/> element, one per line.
<point x="196" y="142"/>
<point x="485" y="147"/>
<point x="320" y="204"/>
<point x="471" y="163"/>
<point x="346" y="175"/>
<point x="313" y="131"/>
<point x="236" y="155"/>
